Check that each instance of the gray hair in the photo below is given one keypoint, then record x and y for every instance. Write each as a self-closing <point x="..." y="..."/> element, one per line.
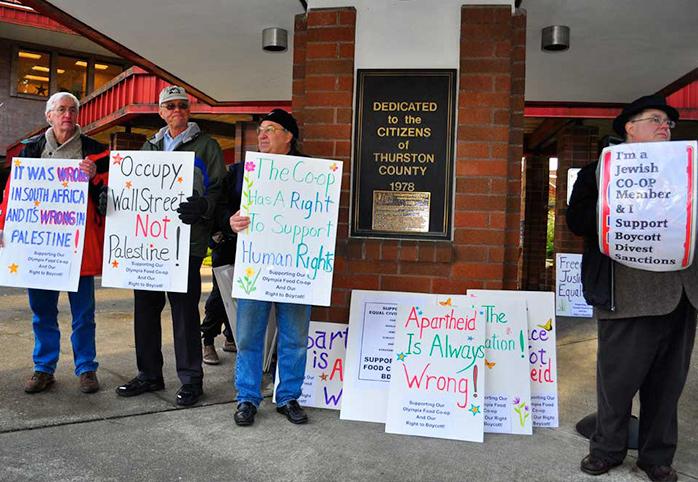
<point x="53" y="100"/>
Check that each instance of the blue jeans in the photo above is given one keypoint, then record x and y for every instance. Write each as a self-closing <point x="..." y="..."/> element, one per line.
<point x="47" y="337"/>
<point x="293" y="321"/>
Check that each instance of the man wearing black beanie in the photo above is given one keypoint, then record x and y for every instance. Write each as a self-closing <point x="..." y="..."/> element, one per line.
<point x="277" y="134"/>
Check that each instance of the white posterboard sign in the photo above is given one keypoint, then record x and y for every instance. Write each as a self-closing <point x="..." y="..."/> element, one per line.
<point x="45" y="224"/>
<point x="146" y="246"/>
<point x="287" y="252"/>
<point x="324" y="367"/>
<point x="437" y="387"/>
<point x="508" y="393"/>
<point x="569" y="297"/>
<point x="542" y="352"/>
<point x="647" y="204"/>
<point x="372" y="318"/>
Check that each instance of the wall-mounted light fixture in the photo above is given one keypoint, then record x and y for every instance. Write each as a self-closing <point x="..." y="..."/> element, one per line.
<point x="555" y="38"/>
<point x="274" y="39"/>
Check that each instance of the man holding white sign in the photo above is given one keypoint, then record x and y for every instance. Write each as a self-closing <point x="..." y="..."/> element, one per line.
<point x="646" y="320"/>
<point x="276" y="134"/>
<point x="62" y="140"/>
<point x="209" y="171"/>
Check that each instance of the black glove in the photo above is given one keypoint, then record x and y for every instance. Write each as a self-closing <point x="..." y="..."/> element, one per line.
<point x="103" y="199"/>
<point x="193" y="209"/>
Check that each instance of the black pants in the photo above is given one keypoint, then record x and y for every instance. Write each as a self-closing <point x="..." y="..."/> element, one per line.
<point x="148" y="308"/>
<point x="651" y="354"/>
<point x="215" y="317"/>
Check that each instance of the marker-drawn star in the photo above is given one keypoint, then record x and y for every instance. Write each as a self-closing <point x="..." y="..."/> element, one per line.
<point x="129" y="184"/>
<point x="37" y="202"/>
<point x="474" y="409"/>
<point x="13" y="267"/>
<point x="401" y="356"/>
<point x="180" y="179"/>
<point x="18" y="162"/>
<point x="470" y="338"/>
<point x="115" y="264"/>
<point x="65" y="183"/>
<point x="117" y="159"/>
<point x="323" y="377"/>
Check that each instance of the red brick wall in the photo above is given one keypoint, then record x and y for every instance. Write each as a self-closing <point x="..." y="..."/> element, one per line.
<point x="485" y="250"/>
<point x="577" y="147"/>
<point x="127" y="141"/>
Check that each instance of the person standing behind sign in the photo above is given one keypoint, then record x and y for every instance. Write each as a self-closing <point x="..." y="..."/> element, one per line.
<point x="209" y="170"/>
<point x="276" y="134"/>
<point x="645" y="341"/>
<point x="64" y="140"/>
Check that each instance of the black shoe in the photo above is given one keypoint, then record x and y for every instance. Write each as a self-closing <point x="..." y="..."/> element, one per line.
<point x="244" y="415"/>
<point x="659" y="473"/>
<point x="138" y="387"/>
<point x="593" y="465"/>
<point x="294" y="412"/>
<point x="189" y="394"/>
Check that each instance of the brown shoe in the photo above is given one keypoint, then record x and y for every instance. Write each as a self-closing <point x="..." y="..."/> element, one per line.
<point x="210" y="355"/>
<point x="89" y="382"/>
<point x="229" y="346"/>
<point x="39" y="382"/>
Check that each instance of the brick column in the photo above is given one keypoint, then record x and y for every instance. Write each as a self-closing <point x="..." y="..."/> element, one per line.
<point x="577" y="146"/>
<point x="127" y="141"/>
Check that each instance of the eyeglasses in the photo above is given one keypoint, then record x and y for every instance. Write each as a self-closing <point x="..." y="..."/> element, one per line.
<point x="269" y="130"/>
<point x="62" y="110"/>
<point x="179" y="105"/>
<point x="658" y="121"/>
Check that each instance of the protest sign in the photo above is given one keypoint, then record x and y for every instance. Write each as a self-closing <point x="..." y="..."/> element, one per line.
<point x="437" y="387"/>
<point x="542" y="352"/>
<point x="146" y="246"/>
<point x="647" y="204"/>
<point x="508" y="393"/>
<point x="369" y="356"/>
<point x="569" y="297"/>
<point x="324" y="367"/>
<point x="45" y="224"/>
<point x="287" y="252"/>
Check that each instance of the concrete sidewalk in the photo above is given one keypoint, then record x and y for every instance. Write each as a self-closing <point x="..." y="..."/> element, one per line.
<point x="64" y="435"/>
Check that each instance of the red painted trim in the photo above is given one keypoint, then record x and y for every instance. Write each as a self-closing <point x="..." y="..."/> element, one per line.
<point x="28" y="17"/>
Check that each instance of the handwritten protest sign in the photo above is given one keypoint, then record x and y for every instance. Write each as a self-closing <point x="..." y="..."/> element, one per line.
<point x="372" y="318"/>
<point x="569" y="297"/>
<point x="542" y="352"/>
<point x="437" y="388"/>
<point x="324" y="367"/>
<point x="44" y="225"/>
<point x="508" y="393"/>
<point x="287" y="253"/>
<point x="647" y="204"/>
<point x="146" y="246"/>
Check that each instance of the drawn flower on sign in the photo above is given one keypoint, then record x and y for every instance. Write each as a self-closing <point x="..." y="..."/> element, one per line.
<point x="334" y="167"/>
<point x="249" y="280"/>
<point x="250" y="166"/>
<point x="246" y="201"/>
<point x="521" y="409"/>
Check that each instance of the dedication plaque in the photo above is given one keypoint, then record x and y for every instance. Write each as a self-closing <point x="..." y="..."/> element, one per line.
<point x="404" y="153"/>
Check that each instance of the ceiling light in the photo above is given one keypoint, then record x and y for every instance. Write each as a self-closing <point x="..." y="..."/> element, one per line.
<point x="555" y="38"/>
<point x="101" y="67"/>
<point x="36" y="77"/>
<point x="274" y="39"/>
<point x="29" y="55"/>
<point x="60" y="71"/>
<point x="81" y="63"/>
<point x="40" y="68"/>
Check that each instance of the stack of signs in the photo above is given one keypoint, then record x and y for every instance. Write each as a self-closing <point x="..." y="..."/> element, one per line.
<point x="287" y="252"/>
<point x="324" y="367"/>
<point x="647" y="204"/>
<point x="45" y="224"/>
<point x="419" y="362"/>
<point x="146" y="246"/>
<point x="569" y="294"/>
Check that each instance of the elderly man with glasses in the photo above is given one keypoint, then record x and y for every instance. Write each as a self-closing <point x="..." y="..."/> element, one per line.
<point x="276" y="134"/>
<point x="646" y="323"/>
<point x="209" y="171"/>
<point x="63" y="140"/>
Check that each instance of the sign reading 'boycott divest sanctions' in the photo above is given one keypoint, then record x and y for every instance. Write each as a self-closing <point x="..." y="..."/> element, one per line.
<point x="647" y="204"/>
<point x="287" y="252"/>
<point x="146" y="246"/>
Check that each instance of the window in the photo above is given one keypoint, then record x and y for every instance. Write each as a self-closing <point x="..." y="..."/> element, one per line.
<point x="33" y="73"/>
<point x="38" y="72"/>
